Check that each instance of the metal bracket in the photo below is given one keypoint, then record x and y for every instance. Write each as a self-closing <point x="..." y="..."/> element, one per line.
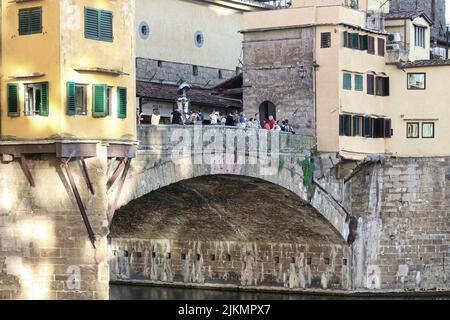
<point x="79" y="203"/>
<point x="112" y="211"/>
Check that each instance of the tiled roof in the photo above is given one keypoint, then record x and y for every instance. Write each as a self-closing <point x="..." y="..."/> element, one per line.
<point x="407" y="15"/>
<point x="425" y="63"/>
<point x="168" y="92"/>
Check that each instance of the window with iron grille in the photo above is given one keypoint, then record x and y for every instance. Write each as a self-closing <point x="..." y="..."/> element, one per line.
<point x="325" y="40"/>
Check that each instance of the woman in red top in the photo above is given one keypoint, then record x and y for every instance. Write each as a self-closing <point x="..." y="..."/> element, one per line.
<point x="266" y="126"/>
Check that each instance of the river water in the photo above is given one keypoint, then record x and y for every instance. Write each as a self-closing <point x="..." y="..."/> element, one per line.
<point x="133" y="292"/>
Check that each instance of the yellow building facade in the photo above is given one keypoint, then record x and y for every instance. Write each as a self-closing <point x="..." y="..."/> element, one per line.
<point x="68" y="70"/>
<point x="376" y="90"/>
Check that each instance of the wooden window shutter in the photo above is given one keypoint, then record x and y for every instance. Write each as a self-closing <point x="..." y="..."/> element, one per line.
<point x="44" y="107"/>
<point x="348" y="125"/>
<point x="13" y="100"/>
<point x="99" y="100"/>
<point x="387" y="128"/>
<point x="91" y="23"/>
<point x="370" y="45"/>
<point x="381" y="47"/>
<point x="341" y="125"/>
<point x="106" y="25"/>
<point x="386" y="88"/>
<point x="24" y="22"/>
<point x="345" y="39"/>
<point x="355" y="41"/>
<point x="36" y="20"/>
<point x="121" y="103"/>
<point x="71" y="92"/>
<point x="370" y="84"/>
<point x="363" y="40"/>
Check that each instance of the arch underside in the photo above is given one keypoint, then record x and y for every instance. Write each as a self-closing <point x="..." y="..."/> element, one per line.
<point x="223" y="208"/>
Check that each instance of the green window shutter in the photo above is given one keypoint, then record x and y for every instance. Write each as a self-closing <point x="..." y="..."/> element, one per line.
<point x="355" y="40"/>
<point x="347" y="81"/>
<point x="341" y="125"/>
<point x="106" y="26"/>
<point x="30" y="21"/>
<point x="346" y="39"/>
<point x="99" y="100"/>
<point x="121" y="103"/>
<point x="91" y="24"/>
<point x="71" y="92"/>
<point x="358" y="82"/>
<point x="13" y="100"/>
<point x="363" y="40"/>
<point x="44" y="109"/>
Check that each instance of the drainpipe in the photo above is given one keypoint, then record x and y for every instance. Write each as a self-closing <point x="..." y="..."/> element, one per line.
<point x="315" y="82"/>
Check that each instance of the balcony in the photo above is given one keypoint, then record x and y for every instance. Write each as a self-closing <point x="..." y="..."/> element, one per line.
<point x="375" y="21"/>
<point x="397" y="52"/>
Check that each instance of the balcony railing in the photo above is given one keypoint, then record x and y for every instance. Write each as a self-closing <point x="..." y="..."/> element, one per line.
<point x="375" y="22"/>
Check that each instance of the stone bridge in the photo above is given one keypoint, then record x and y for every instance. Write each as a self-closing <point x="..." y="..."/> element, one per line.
<point x="222" y="206"/>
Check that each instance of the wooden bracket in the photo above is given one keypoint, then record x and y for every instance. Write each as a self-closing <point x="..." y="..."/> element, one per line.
<point x="113" y="209"/>
<point x="80" y="203"/>
<point x="116" y="174"/>
<point x="26" y="170"/>
<point x="86" y="176"/>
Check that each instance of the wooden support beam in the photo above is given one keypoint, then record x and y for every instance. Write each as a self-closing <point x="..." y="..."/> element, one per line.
<point x="86" y="176"/>
<point x="80" y="203"/>
<point x="26" y="170"/>
<point x="116" y="174"/>
<point x="113" y="209"/>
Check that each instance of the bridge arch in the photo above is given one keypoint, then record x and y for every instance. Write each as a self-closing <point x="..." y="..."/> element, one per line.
<point x="227" y="229"/>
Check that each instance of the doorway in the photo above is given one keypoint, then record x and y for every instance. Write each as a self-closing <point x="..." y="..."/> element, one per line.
<point x="267" y="109"/>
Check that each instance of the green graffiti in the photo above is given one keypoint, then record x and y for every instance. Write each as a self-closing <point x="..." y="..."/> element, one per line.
<point x="309" y="168"/>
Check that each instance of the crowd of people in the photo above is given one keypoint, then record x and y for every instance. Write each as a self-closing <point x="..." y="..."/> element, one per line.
<point x="231" y="119"/>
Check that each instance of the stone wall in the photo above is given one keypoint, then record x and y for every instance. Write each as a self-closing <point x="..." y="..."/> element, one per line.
<point x="272" y="60"/>
<point x="45" y="251"/>
<point x="438" y="16"/>
<point x="291" y="266"/>
<point x="172" y="72"/>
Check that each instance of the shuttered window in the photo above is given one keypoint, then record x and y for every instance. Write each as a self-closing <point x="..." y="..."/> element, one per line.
<point x="346" y="43"/>
<point x="13" y="100"/>
<point x="381" y="47"/>
<point x="347" y="81"/>
<point x="30" y="21"/>
<point x="355" y="41"/>
<point x="121" y="103"/>
<point x="370" y="45"/>
<point x="44" y="109"/>
<point x="99" y="100"/>
<point x="98" y="24"/>
<point x="363" y="40"/>
<point x="71" y="87"/>
<point x="358" y="82"/>
<point x="370" y="84"/>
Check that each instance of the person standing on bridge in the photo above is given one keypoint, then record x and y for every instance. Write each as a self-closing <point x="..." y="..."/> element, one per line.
<point x="177" y="117"/>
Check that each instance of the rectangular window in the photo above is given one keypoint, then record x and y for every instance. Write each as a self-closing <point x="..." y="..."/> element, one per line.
<point x="347" y="81"/>
<point x="416" y="81"/>
<point x="36" y="99"/>
<point x="13" y="100"/>
<point x="364" y="42"/>
<point x="371" y="84"/>
<point x="358" y="82"/>
<point x="345" y="125"/>
<point x="367" y="127"/>
<point x="346" y="40"/>
<point x="76" y="99"/>
<point x="387" y="128"/>
<point x="379" y="129"/>
<point x="428" y="130"/>
<point x="419" y="36"/>
<point x="355" y="41"/>
<point x="381" y="47"/>
<point x="325" y="40"/>
<point x="357" y="126"/>
<point x="412" y="130"/>
<point x="98" y="24"/>
<point x="30" y="21"/>
<point x="371" y="45"/>
<point x="382" y="86"/>
<point x="121" y="103"/>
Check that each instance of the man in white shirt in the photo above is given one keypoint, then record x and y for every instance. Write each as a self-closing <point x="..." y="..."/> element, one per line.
<point x="213" y="118"/>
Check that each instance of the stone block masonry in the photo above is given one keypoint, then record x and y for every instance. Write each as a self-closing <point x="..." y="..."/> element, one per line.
<point x="172" y="72"/>
<point x="272" y="61"/>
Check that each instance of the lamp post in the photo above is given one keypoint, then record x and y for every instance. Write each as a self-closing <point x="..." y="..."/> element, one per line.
<point x="183" y="101"/>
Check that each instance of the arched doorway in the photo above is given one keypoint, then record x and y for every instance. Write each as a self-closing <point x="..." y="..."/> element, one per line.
<point x="267" y="109"/>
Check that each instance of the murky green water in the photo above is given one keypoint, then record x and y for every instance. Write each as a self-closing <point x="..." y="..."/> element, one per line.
<point x="133" y="292"/>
